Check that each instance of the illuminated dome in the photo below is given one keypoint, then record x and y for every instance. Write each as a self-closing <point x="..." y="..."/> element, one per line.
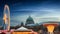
<point x="29" y="20"/>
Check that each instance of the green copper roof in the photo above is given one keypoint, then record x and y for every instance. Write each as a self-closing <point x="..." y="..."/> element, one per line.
<point x="30" y="18"/>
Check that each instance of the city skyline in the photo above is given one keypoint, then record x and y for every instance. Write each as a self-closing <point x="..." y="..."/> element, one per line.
<point x="38" y="9"/>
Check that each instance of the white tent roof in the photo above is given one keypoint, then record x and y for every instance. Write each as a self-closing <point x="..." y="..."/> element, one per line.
<point x="22" y="28"/>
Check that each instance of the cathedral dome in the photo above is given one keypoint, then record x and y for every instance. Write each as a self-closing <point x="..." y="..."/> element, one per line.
<point x="29" y="20"/>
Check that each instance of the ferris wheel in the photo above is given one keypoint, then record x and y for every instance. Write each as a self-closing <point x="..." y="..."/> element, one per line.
<point x="6" y="17"/>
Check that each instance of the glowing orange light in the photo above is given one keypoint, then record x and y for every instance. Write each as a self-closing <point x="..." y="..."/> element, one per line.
<point x="5" y="18"/>
<point x="50" y="28"/>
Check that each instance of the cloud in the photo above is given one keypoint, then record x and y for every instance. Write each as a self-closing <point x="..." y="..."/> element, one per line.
<point x="38" y="13"/>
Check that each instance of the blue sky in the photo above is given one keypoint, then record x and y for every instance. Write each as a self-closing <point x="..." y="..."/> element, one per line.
<point x="39" y="10"/>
